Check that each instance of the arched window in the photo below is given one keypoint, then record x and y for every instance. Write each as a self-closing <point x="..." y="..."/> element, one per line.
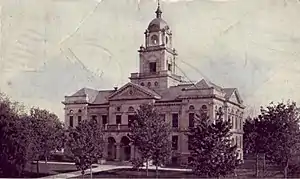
<point x="79" y="111"/>
<point x="191" y="107"/>
<point x="203" y="112"/>
<point x="142" y="84"/>
<point x="149" y="84"/>
<point x="204" y="107"/>
<point x="118" y="108"/>
<point x="130" y="109"/>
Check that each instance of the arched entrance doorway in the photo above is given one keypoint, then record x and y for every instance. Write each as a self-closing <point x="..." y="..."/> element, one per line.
<point x="125" y="149"/>
<point x="111" y="149"/>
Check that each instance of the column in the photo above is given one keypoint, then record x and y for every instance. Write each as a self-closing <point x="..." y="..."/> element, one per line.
<point x="132" y="152"/>
<point x="105" y="150"/>
<point x="118" y="151"/>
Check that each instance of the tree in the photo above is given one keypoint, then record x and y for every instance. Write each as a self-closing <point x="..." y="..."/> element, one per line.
<point x="150" y="134"/>
<point x="256" y="137"/>
<point x="283" y="132"/>
<point x="47" y="134"/>
<point x="211" y="150"/>
<point x="85" y="144"/>
<point x="14" y="138"/>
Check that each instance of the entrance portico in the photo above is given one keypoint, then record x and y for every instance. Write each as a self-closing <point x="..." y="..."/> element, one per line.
<point x="119" y="150"/>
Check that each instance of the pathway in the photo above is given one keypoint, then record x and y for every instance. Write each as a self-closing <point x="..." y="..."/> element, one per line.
<point x="101" y="168"/>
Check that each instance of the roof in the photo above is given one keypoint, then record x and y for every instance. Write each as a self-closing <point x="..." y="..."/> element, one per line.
<point x="102" y="96"/>
<point x="146" y="89"/>
<point x="142" y="88"/>
<point x="205" y="84"/>
<point x="90" y="93"/>
<point x="229" y="92"/>
<point x="157" y="24"/>
<point x="173" y="92"/>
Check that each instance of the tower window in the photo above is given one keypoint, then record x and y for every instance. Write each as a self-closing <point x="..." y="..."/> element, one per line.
<point x="154" y="39"/>
<point x="152" y="67"/>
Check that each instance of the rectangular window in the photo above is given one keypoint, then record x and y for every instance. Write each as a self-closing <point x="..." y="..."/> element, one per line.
<point x="104" y="120"/>
<point x="175" y="142"/>
<point x="79" y="119"/>
<point x="152" y="67"/>
<point x="94" y="118"/>
<point x="191" y="119"/>
<point x="190" y="160"/>
<point x="163" y="117"/>
<point x="241" y="123"/>
<point x="169" y="67"/>
<point x="189" y="143"/>
<point x="241" y="140"/>
<point x="236" y="122"/>
<point x="130" y="119"/>
<point x="175" y="120"/>
<point x="232" y="141"/>
<point x="174" y="160"/>
<point x="118" y="119"/>
<point x="71" y="121"/>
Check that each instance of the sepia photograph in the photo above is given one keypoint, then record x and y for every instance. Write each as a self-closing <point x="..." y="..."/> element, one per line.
<point x="149" y="89"/>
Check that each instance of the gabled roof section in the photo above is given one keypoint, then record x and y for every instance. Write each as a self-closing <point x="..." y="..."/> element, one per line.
<point x="202" y="84"/>
<point x="233" y="95"/>
<point x="90" y="93"/>
<point x="102" y="96"/>
<point x="144" y="91"/>
<point x="173" y="92"/>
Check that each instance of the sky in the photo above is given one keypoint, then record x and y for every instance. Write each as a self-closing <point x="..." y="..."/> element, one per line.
<point x="52" y="48"/>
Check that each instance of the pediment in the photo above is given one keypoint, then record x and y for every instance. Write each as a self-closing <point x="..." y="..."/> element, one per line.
<point x="235" y="97"/>
<point x="202" y="84"/>
<point x="132" y="91"/>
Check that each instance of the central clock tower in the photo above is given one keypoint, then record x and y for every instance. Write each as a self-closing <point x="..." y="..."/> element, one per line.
<point x="157" y="69"/>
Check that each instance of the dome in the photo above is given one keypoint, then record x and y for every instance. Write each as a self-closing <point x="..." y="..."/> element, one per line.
<point x="158" y="24"/>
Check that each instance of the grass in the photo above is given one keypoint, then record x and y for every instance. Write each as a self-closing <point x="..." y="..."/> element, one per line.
<point x="133" y="173"/>
<point x="47" y="169"/>
<point x="246" y="170"/>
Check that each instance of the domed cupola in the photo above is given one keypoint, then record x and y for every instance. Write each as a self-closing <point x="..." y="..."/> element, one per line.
<point x="158" y="24"/>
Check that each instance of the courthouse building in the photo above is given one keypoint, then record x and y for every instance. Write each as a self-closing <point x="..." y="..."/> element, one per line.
<point x="156" y="81"/>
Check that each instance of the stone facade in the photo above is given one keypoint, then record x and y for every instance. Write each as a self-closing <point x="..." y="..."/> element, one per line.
<point x="156" y="82"/>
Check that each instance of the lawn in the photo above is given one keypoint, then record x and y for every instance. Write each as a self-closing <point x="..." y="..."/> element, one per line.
<point x="246" y="170"/>
<point x="47" y="169"/>
<point x="133" y="173"/>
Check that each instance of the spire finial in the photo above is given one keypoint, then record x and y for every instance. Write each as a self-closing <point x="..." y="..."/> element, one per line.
<point x="158" y="11"/>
